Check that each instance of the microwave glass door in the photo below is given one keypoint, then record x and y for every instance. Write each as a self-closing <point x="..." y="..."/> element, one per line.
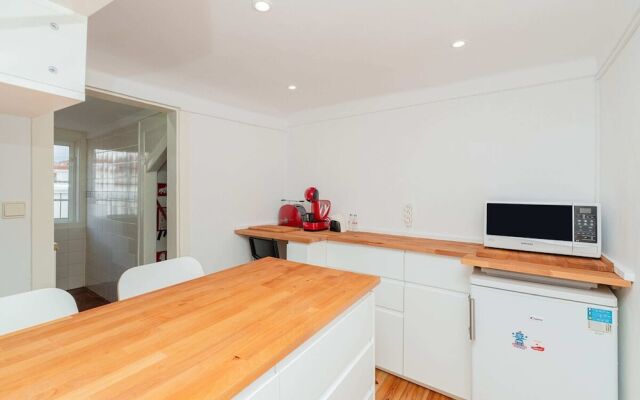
<point x="534" y="221"/>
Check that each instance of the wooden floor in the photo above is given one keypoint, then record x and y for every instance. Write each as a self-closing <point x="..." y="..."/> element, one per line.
<point x="87" y="299"/>
<point x="390" y="387"/>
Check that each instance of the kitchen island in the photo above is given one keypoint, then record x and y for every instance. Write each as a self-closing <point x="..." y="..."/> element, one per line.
<point x="270" y="329"/>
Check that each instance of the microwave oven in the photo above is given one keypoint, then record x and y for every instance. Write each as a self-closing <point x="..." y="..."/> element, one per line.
<point x="557" y="228"/>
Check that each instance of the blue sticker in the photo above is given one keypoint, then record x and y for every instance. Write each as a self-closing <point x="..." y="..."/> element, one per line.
<point x="600" y="315"/>
<point x="519" y="340"/>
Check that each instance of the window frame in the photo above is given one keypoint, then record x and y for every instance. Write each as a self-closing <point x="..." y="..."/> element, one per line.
<point x="72" y="215"/>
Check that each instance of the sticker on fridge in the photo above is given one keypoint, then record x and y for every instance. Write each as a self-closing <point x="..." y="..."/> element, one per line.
<point x="538" y="346"/>
<point x="519" y="340"/>
<point x="599" y="320"/>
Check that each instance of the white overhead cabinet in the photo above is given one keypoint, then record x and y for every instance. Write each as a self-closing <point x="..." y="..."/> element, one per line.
<point x="42" y="57"/>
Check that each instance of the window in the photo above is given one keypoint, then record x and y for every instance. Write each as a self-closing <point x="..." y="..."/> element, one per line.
<point x="63" y="182"/>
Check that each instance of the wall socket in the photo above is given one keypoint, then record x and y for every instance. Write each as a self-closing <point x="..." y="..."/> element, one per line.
<point x="407" y="215"/>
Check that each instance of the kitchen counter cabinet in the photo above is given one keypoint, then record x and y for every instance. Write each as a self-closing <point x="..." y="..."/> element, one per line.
<point x="422" y="301"/>
<point x="580" y="269"/>
<point x="270" y="329"/>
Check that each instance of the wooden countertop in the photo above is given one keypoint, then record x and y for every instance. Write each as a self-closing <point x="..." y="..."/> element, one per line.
<point x="591" y="270"/>
<point x="580" y="269"/>
<point x="206" y="338"/>
<point x="420" y="245"/>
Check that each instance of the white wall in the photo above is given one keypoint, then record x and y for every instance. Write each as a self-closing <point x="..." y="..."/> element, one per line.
<point x="446" y="157"/>
<point x="15" y="185"/>
<point x="236" y="174"/>
<point x="620" y="197"/>
<point x="43" y="274"/>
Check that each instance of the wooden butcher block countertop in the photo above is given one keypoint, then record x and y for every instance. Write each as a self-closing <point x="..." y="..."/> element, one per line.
<point x="206" y="338"/>
<point x="599" y="271"/>
<point x="420" y="245"/>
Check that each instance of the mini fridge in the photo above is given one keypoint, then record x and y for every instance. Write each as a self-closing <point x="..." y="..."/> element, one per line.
<point x="538" y="341"/>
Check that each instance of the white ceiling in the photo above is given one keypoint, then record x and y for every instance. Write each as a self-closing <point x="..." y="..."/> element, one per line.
<point x="340" y="50"/>
<point x="95" y="115"/>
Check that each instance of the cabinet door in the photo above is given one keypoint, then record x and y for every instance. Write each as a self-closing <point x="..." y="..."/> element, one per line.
<point x="389" y="327"/>
<point x="437" y="349"/>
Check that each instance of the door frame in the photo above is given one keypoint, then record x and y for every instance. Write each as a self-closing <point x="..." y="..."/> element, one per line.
<point x="43" y="272"/>
<point x="174" y="201"/>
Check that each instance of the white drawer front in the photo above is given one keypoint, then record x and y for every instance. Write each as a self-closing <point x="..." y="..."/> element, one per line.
<point x="359" y="380"/>
<point x="437" y="271"/>
<point x="389" y="340"/>
<point x="319" y="366"/>
<point x="370" y="260"/>
<point x="390" y="294"/>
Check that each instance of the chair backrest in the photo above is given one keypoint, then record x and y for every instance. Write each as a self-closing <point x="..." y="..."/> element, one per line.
<point x="150" y="277"/>
<point x="261" y="248"/>
<point x="35" y="307"/>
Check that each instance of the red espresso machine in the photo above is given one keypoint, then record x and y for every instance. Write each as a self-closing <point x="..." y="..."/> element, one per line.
<point x="318" y="218"/>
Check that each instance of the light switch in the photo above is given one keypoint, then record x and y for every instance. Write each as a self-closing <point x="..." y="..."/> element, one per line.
<point x="14" y="210"/>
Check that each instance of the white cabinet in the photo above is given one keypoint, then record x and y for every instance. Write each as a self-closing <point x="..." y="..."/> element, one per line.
<point x="309" y="373"/>
<point x="42" y="57"/>
<point x="422" y="311"/>
<point x="337" y="363"/>
<point x="389" y="265"/>
<point x="389" y="340"/>
<point x="437" y="349"/>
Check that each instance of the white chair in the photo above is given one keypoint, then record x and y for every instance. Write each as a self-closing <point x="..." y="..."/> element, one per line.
<point x="150" y="277"/>
<point x="35" y="307"/>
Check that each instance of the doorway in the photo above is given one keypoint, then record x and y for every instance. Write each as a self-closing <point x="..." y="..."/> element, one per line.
<point x="113" y="199"/>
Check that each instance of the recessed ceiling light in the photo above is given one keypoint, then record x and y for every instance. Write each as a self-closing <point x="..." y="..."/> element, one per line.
<point x="262" y="5"/>
<point x="458" y="43"/>
<point x="292" y="87"/>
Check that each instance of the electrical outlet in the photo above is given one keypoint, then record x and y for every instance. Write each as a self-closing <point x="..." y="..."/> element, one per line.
<point x="407" y="215"/>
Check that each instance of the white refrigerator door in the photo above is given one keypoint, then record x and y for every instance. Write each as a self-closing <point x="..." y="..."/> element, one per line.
<point x="529" y="347"/>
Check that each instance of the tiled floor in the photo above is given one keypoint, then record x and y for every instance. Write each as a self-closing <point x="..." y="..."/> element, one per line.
<point x="86" y="299"/>
<point x="390" y="387"/>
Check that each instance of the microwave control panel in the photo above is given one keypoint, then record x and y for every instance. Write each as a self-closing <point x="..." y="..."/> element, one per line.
<point x="585" y="224"/>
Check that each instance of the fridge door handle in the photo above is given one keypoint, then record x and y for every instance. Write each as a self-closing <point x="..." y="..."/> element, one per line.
<point x="472" y="318"/>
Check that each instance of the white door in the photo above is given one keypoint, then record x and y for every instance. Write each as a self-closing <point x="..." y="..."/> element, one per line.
<point x="437" y="348"/>
<point x="530" y="347"/>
